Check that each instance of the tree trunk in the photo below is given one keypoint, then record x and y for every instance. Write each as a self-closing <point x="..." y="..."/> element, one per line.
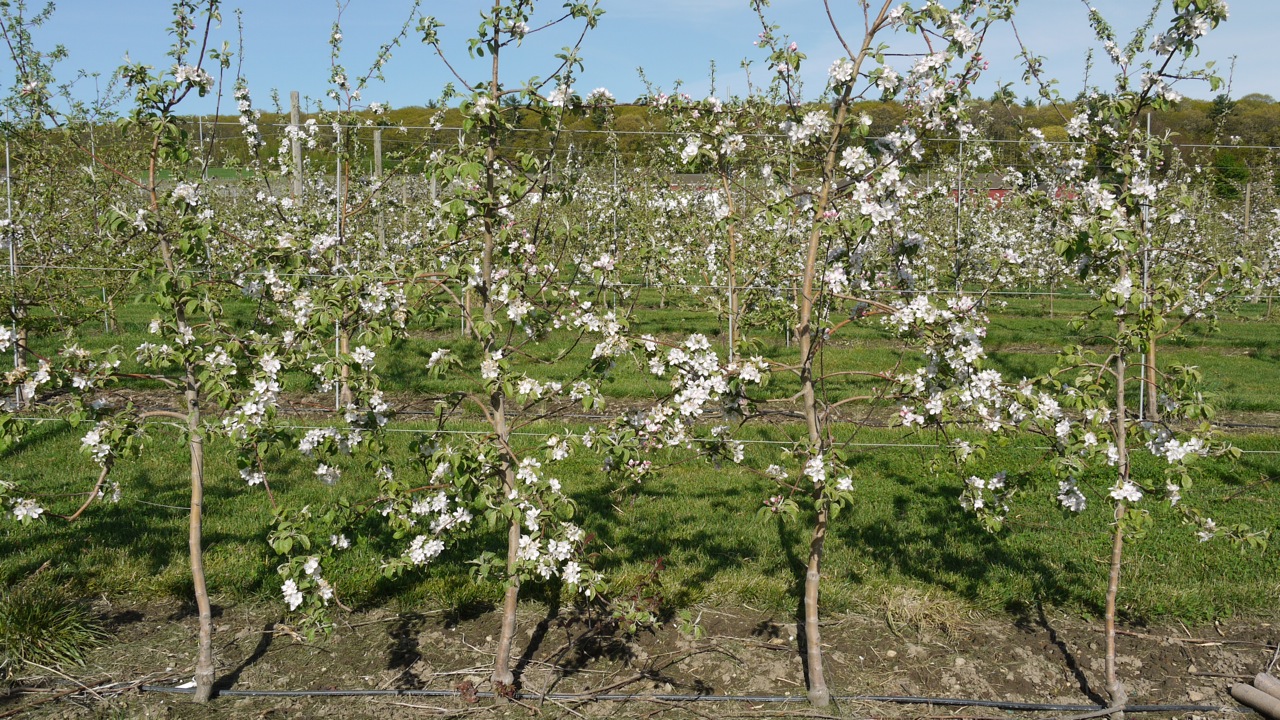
<point x="503" y="678"/>
<point x="20" y="358"/>
<point x="819" y="695"/>
<point x="204" y="654"/>
<point x="809" y="344"/>
<point x="1115" y="687"/>
<point x="502" y="674"/>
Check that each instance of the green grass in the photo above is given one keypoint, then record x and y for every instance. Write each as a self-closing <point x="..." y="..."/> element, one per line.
<point x="691" y="534"/>
<point x="685" y="536"/>
<point x="1240" y="359"/>
<point x="41" y="624"/>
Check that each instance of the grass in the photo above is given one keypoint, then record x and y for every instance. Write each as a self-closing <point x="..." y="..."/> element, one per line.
<point x="41" y="624"/>
<point x="687" y="536"/>
<point x="1240" y="357"/>
<point x="691" y="534"/>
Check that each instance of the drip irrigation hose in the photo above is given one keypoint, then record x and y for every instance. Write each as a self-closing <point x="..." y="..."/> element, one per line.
<point x="901" y="699"/>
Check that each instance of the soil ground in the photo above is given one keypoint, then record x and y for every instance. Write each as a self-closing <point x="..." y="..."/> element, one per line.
<point x="912" y="650"/>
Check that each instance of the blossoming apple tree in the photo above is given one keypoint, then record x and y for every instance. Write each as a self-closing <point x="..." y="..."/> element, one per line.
<point x="853" y="245"/>
<point x="1125" y="220"/>
<point x="206" y="356"/>
<point x="492" y="237"/>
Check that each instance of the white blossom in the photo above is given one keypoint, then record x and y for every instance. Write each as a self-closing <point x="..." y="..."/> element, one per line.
<point x="292" y="595"/>
<point x="25" y="509"/>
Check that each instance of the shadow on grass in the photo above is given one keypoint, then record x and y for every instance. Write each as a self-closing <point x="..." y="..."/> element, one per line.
<point x="36" y="435"/>
<point x="924" y="535"/>
<point x="672" y="522"/>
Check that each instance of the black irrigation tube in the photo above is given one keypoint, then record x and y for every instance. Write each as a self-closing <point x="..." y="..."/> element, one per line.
<point x="901" y="699"/>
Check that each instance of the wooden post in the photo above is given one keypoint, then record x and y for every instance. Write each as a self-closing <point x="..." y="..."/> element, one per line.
<point x="1248" y="207"/>
<point x="295" y="119"/>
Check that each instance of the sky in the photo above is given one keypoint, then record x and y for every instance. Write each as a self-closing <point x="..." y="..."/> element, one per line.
<point x="286" y="45"/>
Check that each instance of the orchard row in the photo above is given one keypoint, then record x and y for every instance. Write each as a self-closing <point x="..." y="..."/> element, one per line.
<point x="780" y="216"/>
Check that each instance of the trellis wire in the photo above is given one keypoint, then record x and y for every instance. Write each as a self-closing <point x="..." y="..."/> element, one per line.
<point x="641" y="286"/>
<point x="749" y="441"/>
<point x="453" y="129"/>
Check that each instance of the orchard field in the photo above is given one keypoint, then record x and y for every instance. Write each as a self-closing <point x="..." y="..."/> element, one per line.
<point x="767" y="401"/>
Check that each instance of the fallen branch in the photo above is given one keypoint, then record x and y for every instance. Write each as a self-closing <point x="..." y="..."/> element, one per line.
<point x="80" y="687"/>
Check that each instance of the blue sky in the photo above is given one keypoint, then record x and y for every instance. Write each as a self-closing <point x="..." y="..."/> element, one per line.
<point x="286" y="44"/>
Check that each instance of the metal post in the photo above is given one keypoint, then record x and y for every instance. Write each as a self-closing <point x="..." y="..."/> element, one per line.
<point x="1146" y="274"/>
<point x="204" y="165"/>
<point x="337" y="186"/>
<point x="93" y="152"/>
<point x="377" y="175"/>
<point x="337" y="354"/>
<point x="295" y="121"/>
<point x="1248" y="214"/>
<point x="13" y="266"/>
<point x="791" y="189"/>
<point x="615" y="203"/>
<point x="959" y="209"/>
<point x="337" y="325"/>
